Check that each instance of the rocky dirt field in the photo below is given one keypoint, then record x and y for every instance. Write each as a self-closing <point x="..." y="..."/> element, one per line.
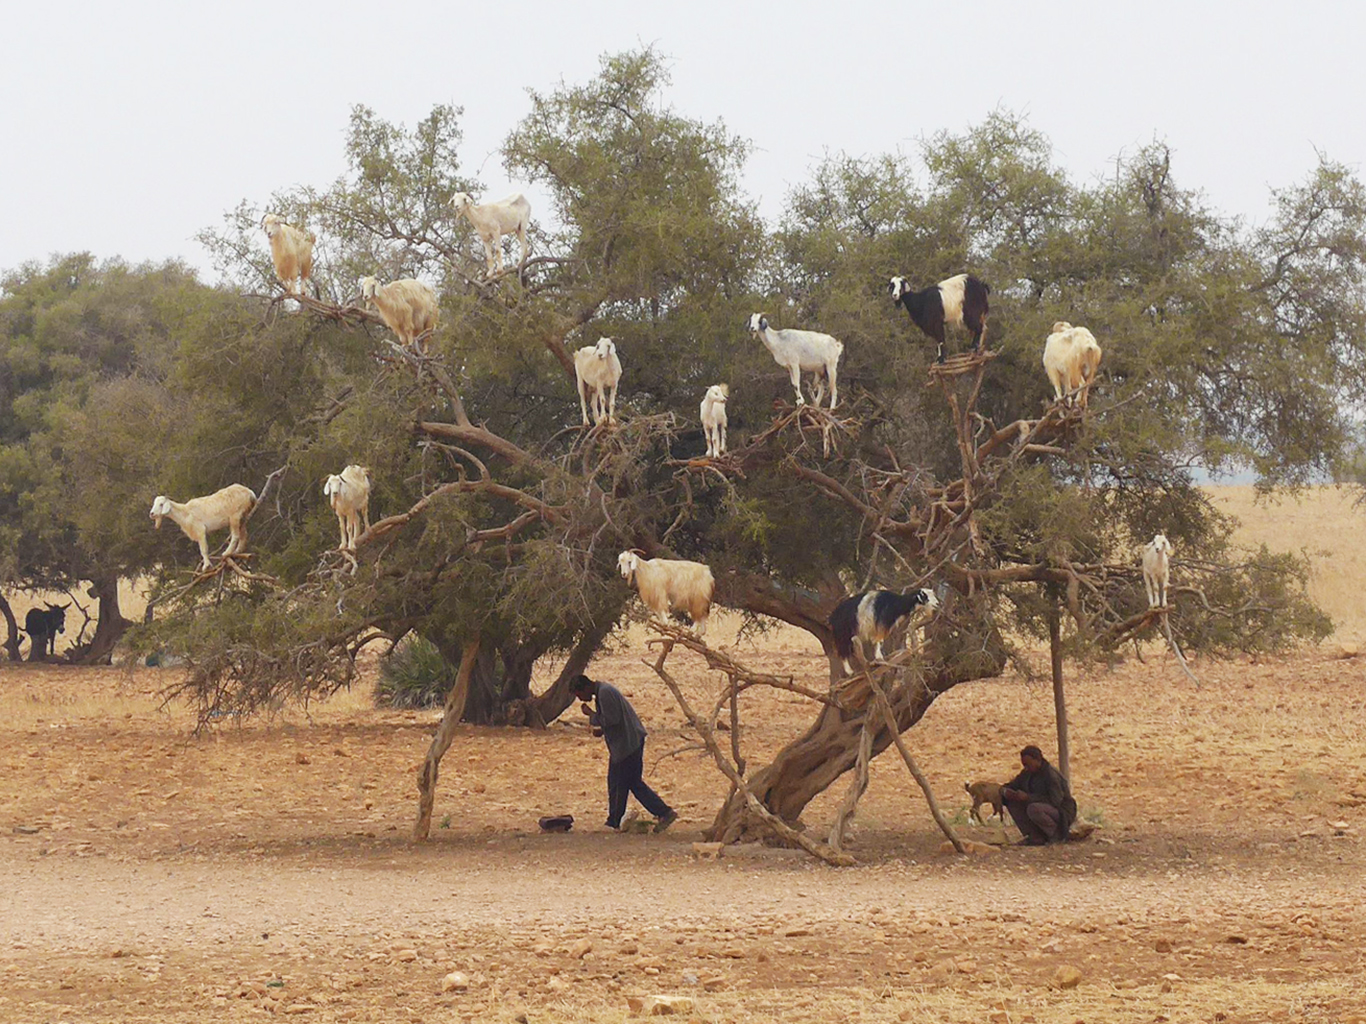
<point x="265" y="867"/>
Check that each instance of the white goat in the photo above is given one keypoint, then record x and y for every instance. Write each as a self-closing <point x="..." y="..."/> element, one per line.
<point x="1157" y="570"/>
<point x="1071" y="358"/>
<point x="291" y="249"/>
<point x="408" y="306"/>
<point x="818" y="354"/>
<point x="199" y="517"/>
<point x="669" y="584"/>
<point x="349" y="494"/>
<point x="597" y="367"/>
<point x="714" y="420"/>
<point x="510" y="216"/>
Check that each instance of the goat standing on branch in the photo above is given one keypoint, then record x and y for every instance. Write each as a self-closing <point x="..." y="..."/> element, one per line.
<point x="597" y="367"/>
<point x="671" y="585"/>
<point x="960" y="300"/>
<point x="510" y="216"/>
<point x="1157" y="570"/>
<point x="349" y="494"/>
<point x="291" y="249"/>
<point x="409" y="308"/>
<point x="1071" y="357"/>
<point x="714" y="420"/>
<point x="802" y="351"/>
<point x="199" y="517"/>
<point x="871" y="616"/>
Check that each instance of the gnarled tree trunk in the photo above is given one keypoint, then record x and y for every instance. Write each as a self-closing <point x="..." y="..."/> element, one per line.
<point x="109" y="627"/>
<point x="12" y="630"/>
<point x="810" y="764"/>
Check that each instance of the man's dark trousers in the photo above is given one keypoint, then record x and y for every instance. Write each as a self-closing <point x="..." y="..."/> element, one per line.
<point x="624" y="778"/>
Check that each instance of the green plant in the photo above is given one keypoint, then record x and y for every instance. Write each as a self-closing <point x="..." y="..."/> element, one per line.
<point x="414" y="675"/>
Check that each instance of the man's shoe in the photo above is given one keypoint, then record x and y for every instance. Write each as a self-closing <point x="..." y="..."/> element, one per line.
<point x="664" y="822"/>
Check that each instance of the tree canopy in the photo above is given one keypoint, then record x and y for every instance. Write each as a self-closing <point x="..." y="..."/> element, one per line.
<point x="498" y="521"/>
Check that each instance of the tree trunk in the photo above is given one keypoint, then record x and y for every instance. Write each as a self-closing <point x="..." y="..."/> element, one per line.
<point x="558" y="696"/>
<point x="109" y="627"/>
<point x="12" y="627"/>
<point x="1059" y="696"/>
<point x="445" y="732"/>
<point x="809" y="765"/>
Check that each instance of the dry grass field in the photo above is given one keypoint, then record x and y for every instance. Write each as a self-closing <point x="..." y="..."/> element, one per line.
<point x="264" y="867"/>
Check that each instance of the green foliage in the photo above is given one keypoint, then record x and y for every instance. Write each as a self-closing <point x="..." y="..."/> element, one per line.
<point x="414" y="674"/>
<point x="1224" y="348"/>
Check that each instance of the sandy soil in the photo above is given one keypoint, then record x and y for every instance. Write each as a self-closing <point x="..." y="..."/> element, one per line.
<point x="265" y="867"/>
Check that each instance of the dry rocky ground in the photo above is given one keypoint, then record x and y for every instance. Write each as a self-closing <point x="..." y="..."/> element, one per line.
<point x="265" y="867"/>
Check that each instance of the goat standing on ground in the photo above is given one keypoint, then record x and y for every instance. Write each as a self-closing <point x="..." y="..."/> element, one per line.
<point x="961" y="301"/>
<point x="798" y="351"/>
<point x="510" y="216"/>
<point x="597" y="367"/>
<point x="199" y="517"/>
<point x="985" y="793"/>
<point x="42" y="628"/>
<point x="1071" y="358"/>
<point x="349" y="493"/>
<point x="409" y="307"/>
<point x="671" y="585"/>
<point x="1157" y="570"/>
<point x="714" y="419"/>
<point x="871" y="616"/>
<point x="291" y="250"/>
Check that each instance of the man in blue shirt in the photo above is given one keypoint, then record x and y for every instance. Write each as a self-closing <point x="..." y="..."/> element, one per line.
<point x="620" y="727"/>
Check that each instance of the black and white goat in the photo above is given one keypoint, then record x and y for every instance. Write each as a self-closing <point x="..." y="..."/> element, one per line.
<point x="871" y="616"/>
<point x="961" y="301"/>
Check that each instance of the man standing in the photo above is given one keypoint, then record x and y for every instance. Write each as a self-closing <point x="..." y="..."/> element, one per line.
<point x="620" y="727"/>
<point x="1040" y="800"/>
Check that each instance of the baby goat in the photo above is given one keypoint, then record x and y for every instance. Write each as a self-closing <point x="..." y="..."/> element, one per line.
<point x="871" y="616"/>
<point x="985" y="793"/>
<point x="714" y="420"/>
<point x="1157" y="570"/>
<point x="960" y="300"/>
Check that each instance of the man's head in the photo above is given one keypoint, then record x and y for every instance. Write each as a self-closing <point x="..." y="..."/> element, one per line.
<point x="1032" y="758"/>
<point x="583" y="688"/>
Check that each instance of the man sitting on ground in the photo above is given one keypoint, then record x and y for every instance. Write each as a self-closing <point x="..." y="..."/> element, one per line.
<point x="1040" y="800"/>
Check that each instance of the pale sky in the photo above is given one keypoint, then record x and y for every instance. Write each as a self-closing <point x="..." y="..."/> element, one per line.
<point x="126" y="128"/>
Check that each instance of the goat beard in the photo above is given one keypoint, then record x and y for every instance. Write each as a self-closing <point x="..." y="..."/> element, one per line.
<point x="158" y="519"/>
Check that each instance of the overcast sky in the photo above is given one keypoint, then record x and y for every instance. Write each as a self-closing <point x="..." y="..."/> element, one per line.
<point x="126" y="129"/>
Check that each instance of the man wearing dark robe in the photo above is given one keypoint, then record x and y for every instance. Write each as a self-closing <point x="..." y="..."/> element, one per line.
<point x="1040" y="800"/>
<point x="620" y="727"/>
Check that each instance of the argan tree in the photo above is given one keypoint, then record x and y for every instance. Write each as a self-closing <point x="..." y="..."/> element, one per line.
<point x="497" y="519"/>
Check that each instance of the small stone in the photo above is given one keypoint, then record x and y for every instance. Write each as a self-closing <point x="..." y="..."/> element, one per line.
<point x="301" y="758"/>
<point x="967" y="966"/>
<point x="1165" y="987"/>
<point x="405" y="956"/>
<point x="1237" y="939"/>
<point x="665" y="1006"/>
<point x="456" y="981"/>
<point x="1163" y="946"/>
<point x="300" y="1008"/>
<point x="713" y="983"/>
<point x="1348" y="649"/>
<point x="707" y="851"/>
<point x="1066" y="977"/>
<point x="581" y="949"/>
